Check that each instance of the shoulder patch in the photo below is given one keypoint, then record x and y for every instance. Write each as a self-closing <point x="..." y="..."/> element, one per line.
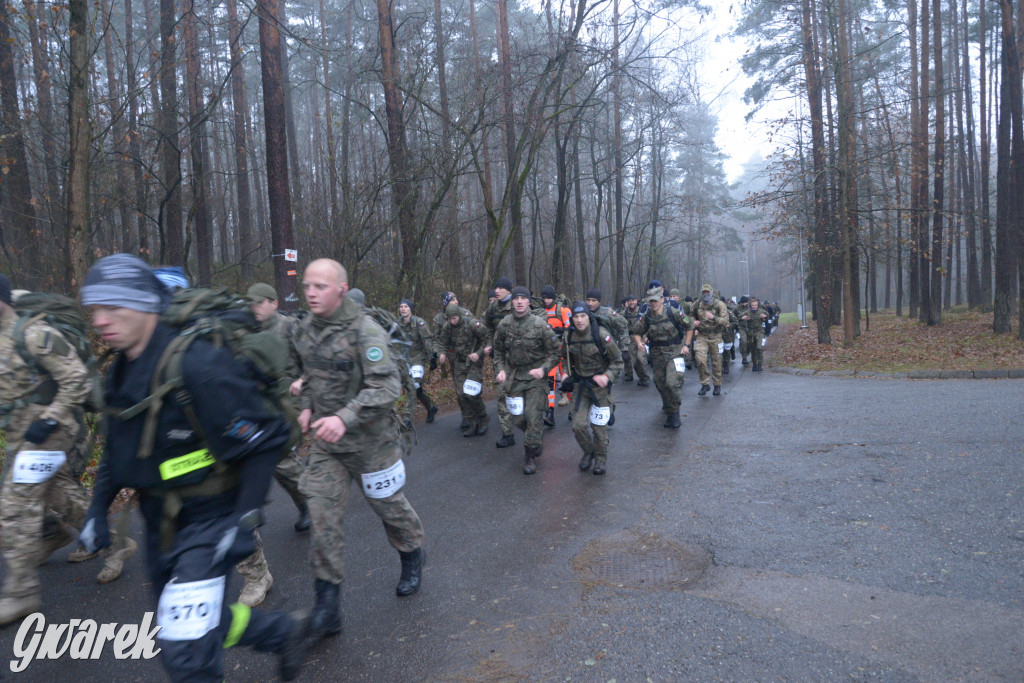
<point x="422" y="323"/>
<point x="608" y="338"/>
<point x="374" y="354"/>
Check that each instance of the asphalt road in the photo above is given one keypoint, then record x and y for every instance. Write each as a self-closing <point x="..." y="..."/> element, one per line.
<point x="798" y="529"/>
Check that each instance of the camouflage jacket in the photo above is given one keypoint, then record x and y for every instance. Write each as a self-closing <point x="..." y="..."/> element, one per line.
<point x="285" y="326"/>
<point x="421" y="341"/>
<point x="440" y="320"/>
<point x="348" y="372"/>
<point x="630" y="317"/>
<point x="616" y="324"/>
<point x="711" y="329"/>
<point x="495" y="313"/>
<point x="522" y="343"/>
<point x="665" y="330"/>
<point x="755" y="324"/>
<point x="458" y="341"/>
<point x="584" y="357"/>
<point x="18" y="379"/>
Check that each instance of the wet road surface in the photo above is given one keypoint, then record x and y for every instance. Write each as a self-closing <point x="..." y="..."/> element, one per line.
<point x="794" y="529"/>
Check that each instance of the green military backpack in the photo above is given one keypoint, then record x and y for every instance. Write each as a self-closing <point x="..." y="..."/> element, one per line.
<point x="225" y="320"/>
<point x="65" y="316"/>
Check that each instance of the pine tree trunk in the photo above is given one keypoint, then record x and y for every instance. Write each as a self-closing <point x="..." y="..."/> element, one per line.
<point x="79" y="243"/>
<point x="172" y="243"/>
<point x="281" y="233"/>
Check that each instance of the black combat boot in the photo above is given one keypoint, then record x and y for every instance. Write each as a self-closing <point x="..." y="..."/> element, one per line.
<point x="643" y="382"/>
<point x="464" y="425"/>
<point x="412" y="568"/>
<point x="745" y="361"/>
<point x="717" y="391"/>
<point x="599" y="467"/>
<point x="505" y="441"/>
<point x="672" y="421"/>
<point x="586" y="460"/>
<point x="303" y="522"/>
<point x="293" y="650"/>
<point x="549" y="417"/>
<point x="704" y="389"/>
<point x="431" y="412"/>
<point x="628" y="379"/>
<point x="530" y="460"/>
<point x="481" y="426"/>
<point x="725" y="367"/>
<point x="325" y="619"/>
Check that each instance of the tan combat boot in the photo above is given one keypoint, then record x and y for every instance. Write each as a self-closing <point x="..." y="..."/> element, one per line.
<point x="13" y="609"/>
<point x="113" y="562"/>
<point x="254" y="592"/>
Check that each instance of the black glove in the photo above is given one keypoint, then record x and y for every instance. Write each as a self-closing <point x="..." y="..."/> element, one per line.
<point x="39" y="430"/>
<point x="433" y="362"/>
<point x="567" y="386"/>
<point x="625" y="357"/>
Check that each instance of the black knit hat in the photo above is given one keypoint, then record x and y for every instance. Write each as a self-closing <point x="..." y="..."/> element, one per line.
<point x="407" y="302"/>
<point x="594" y="293"/>
<point x="519" y="290"/>
<point x="548" y="292"/>
<point x="503" y="282"/>
<point x="580" y="307"/>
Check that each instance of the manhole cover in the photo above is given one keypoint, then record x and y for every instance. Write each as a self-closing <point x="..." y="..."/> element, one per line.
<point x="631" y="560"/>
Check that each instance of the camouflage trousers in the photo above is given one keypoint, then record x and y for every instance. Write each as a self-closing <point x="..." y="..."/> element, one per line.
<point x="637" y="361"/>
<point x="504" y="417"/>
<point x="22" y="509"/>
<point x="534" y="393"/>
<point x="472" y="407"/>
<point x="744" y="351"/>
<point x="591" y="437"/>
<point x="410" y="403"/>
<point x="754" y="348"/>
<point x="703" y="347"/>
<point x="667" y="379"/>
<point x="288" y="472"/>
<point x="326" y="483"/>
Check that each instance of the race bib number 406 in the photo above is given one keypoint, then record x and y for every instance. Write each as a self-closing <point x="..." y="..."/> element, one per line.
<point x="35" y="467"/>
<point x="188" y="611"/>
<point x="385" y="482"/>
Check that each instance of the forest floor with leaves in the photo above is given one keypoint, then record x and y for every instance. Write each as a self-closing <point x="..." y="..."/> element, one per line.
<point x="964" y="341"/>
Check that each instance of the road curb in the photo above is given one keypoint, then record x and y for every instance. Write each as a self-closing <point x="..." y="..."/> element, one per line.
<point x="1015" y="373"/>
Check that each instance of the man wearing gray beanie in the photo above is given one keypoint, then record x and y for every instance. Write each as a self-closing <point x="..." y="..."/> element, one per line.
<point x="201" y="489"/>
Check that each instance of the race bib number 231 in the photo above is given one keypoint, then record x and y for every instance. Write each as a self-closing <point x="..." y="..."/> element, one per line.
<point x="385" y="482"/>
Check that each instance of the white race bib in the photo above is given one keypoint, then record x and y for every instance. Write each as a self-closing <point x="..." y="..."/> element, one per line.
<point x="680" y="364"/>
<point x="737" y="338"/>
<point x="764" y="340"/>
<point x="471" y="387"/>
<point x="384" y="483"/>
<point x="514" y="404"/>
<point x="728" y="347"/>
<point x="35" y="467"/>
<point x="600" y="416"/>
<point x="188" y="611"/>
<point x="721" y="347"/>
<point x="416" y="371"/>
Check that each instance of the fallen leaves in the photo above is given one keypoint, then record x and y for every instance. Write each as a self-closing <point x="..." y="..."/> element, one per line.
<point x="963" y="341"/>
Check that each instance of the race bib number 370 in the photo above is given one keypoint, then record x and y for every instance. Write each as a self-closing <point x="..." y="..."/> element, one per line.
<point x="188" y="611"/>
<point x="35" y="467"/>
<point x="385" y="482"/>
